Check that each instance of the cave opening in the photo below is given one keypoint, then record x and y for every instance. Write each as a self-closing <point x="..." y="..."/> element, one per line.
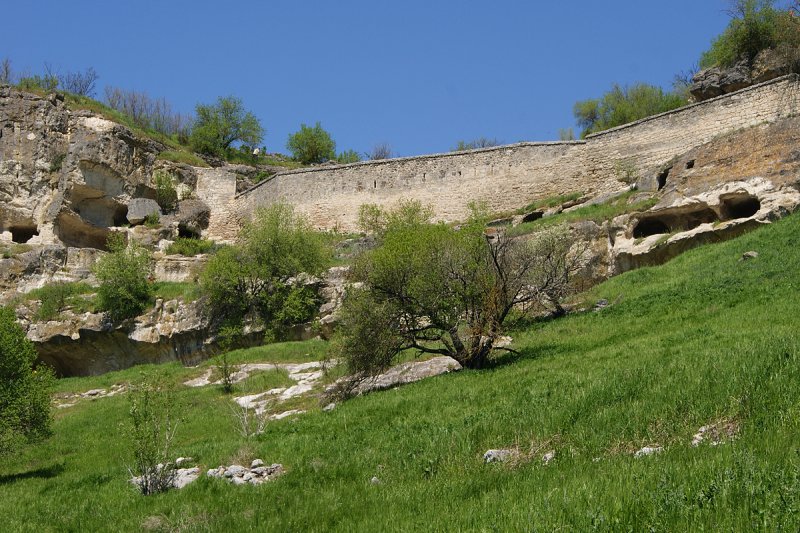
<point x="742" y="206"/>
<point x="650" y="226"/>
<point x="661" y="180"/>
<point x="23" y="233"/>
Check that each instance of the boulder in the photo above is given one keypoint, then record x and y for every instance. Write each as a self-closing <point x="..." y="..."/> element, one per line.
<point x="716" y="81"/>
<point x="408" y="373"/>
<point x="193" y="217"/>
<point x="141" y="208"/>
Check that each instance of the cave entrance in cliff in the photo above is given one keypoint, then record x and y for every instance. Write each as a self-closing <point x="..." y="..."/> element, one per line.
<point x="679" y="219"/>
<point x="661" y="180"/>
<point x="739" y="206"/>
<point x="23" y="233"/>
<point x="650" y="226"/>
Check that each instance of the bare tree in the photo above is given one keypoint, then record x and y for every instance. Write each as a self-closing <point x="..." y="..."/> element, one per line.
<point x="80" y="83"/>
<point x="380" y="151"/>
<point x="6" y="73"/>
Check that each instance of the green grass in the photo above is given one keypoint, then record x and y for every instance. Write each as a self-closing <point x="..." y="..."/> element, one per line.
<point x="190" y="247"/>
<point x="172" y="290"/>
<point x="7" y="251"/>
<point x="180" y="156"/>
<point x="597" y="213"/>
<point x="703" y="338"/>
<point x="59" y="296"/>
<point x="551" y="201"/>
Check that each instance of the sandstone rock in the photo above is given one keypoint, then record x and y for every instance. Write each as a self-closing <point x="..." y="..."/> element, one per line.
<point x="140" y="208"/>
<point x="184" y="476"/>
<point x="256" y="463"/>
<point x="408" y="373"/>
<point x="648" y="450"/>
<point x="549" y="456"/>
<point x="716" y="81"/>
<point x="749" y="255"/>
<point x="193" y="217"/>
<point x="501" y="455"/>
<point x="235" y="470"/>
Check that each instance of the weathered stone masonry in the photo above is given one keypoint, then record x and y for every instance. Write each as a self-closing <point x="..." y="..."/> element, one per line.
<point x="510" y="177"/>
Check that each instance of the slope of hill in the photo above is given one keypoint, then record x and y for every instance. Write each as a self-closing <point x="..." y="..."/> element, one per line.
<point x="710" y="339"/>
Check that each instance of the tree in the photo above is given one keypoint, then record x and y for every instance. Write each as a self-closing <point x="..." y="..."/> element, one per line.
<point x="80" y="83"/>
<point x="755" y="25"/>
<point x="24" y="388"/>
<point x="380" y="151"/>
<point x="218" y="126"/>
<point x="125" y="290"/>
<point x="311" y="145"/>
<point x="441" y="290"/>
<point x="259" y="276"/>
<point x="622" y="105"/>
<point x="348" y="156"/>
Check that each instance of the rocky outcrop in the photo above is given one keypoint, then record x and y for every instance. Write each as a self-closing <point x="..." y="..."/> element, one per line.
<point x="88" y="344"/>
<point x="716" y="81"/>
<point x="68" y="177"/>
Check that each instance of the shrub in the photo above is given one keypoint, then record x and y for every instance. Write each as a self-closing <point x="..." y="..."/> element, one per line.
<point x="481" y="142"/>
<point x="348" y="156"/>
<point x="311" y="145"/>
<point x="755" y="26"/>
<point x="254" y="277"/>
<point x="219" y="125"/>
<point x="47" y="83"/>
<point x="149" y="113"/>
<point x="125" y="290"/>
<point x="24" y="388"/>
<point x="152" y="220"/>
<point x="190" y="247"/>
<point x="153" y="423"/>
<point x="434" y="289"/>
<point x="380" y="151"/>
<point x="55" y="297"/>
<point x="622" y="105"/>
<point x="166" y="194"/>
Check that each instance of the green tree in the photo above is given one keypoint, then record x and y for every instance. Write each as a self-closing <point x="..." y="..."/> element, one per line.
<point x="24" y="388"/>
<point x="311" y="145"/>
<point x="125" y="290"/>
<point x="441" y="290"/>
<point x="755" y="25"/>
<point x="258" y="276"/>
<point x="348" y="156"/>
<point x="622" y="105"/>
<point x="217" y="126"/>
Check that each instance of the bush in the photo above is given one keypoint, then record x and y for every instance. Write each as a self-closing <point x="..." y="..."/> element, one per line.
<point x="381" y="151"/>
<point x="125" y="290"/>
<point x="756" y="25"/>
<point x="190" y="247"/>
<point x="219" y="125"/>
<point x="55" y="297"/>
<point x="254" y="277"/>
<point x="435" y="289"/>
<point x="153" y="423"/>
<point x="149" y="113"/>
<point x="481" y="142"/>
<point x="348" y="156"/>
<point x="622" y="105"/>
<point x="24" y="388"/>
<point x="311" y="145"/>
<point x="166" y="194"/>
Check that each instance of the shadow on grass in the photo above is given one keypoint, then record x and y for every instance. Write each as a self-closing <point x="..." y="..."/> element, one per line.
<point x="501" y="358"/>
<point x="44" y="472"/>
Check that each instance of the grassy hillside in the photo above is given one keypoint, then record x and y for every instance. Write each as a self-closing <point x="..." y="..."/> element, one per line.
<point x="704" y="339"/>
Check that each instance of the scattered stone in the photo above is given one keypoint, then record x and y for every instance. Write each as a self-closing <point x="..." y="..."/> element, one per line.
<point x="182" y="460"/>
<point x="407" y="373"/>
<point x="716" y="434"/>
<point x="184" y="476"/>
<point x="93" y="393"/>
<point x="255" y="475"/>
<point x="648" y="450"/>
<point x="375" y="480"/>
<point x="749" y="255"/>
<point x="501" y="455"/>
<point x="330" y="407"/>
<point x="600" y="305"/>
<point x="549" y="456"/>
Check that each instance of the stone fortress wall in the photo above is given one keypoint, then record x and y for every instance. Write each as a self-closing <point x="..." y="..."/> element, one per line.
<point x="510" y="177"/>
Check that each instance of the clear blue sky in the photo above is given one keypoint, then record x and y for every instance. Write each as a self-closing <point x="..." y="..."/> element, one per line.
<point x="419" y="75"/>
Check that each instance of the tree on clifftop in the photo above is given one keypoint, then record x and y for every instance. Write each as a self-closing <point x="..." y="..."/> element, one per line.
<point x="311" y="145"/>
<point x="219" y="125"/>
<point x="24" y="388"/>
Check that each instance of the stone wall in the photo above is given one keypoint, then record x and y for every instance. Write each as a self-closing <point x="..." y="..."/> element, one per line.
<point x="510" y="177"/>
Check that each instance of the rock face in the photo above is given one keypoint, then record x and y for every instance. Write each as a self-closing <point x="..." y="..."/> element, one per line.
<point x="83" y="345"/>
<point x="67" y="177"/>
<point x="408" y="373"/>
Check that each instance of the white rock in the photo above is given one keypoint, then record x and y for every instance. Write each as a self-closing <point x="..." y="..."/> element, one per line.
<point x="648" y="450"/>
<point x="256" y="463"/>
<point x="375" y="480"/>
<point x="329" y="407"/>
<point x="499" y="456"/>
<point x="549" y="456"/>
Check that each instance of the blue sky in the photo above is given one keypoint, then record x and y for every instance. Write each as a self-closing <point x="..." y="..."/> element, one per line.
<point x="420" y="75"/>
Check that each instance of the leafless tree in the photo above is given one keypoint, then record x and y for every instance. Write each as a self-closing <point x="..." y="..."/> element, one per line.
<point x="80" y="83"/>
<point x="380" y="151"/>
<point x="6" y="73"/>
